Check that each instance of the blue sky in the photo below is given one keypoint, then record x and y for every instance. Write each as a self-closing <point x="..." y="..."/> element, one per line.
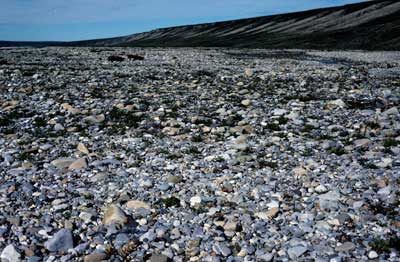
<point x="40" y="20"/>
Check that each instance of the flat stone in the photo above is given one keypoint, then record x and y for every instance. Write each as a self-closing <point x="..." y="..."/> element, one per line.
<point x="385" y="162"/>
<point x="292" y="115"/>
<point x="230" y="226"/>
<point x="279" y="112"/>
<point x="195" y="201"/>
<point x="98" y="177"/>
<point x="159" y="258"/>
<point x="96" y="119"/>
<point x="246" y="102"/>
<point x="299" y="171"/>
<point x="10" y="254"/>
<point x="171" y="131"/>
<point x="114" y="214"/>
<point x="60" y="242"/>
<point x="135" y="204"/>
<point x="265" y="257"/>
<point x="343" y="218"/>
<point x="63" y="162"/>
<point x="147" y="183"/>
<point x="321" y="189"/>
<point x="206" y="129"/>
<point x="83" y="149"/>
<point x="269" y="214"/>
<point x="174" y="179"/>
<point x="329" y="200"/>
<point x="372" y="255"/>
<point x="345" y="247"/>
<point x="248" y="72"/>
<point x="85" y="216"/>
<point x="240" y="143"/>
<point x="385" y="191"/>
<point x="33" y="259"/>
<point x="58" y="127"/>
<point x="338" y="103"/>
<point x="78" y="164"/>
<point x="392" y="111"/>
<point x="70" y="108"/>
<point x="296" y="252"/>
<point x="362" y="142"/>
<point x="222" y="249"/>
<point x="9" y="105"/>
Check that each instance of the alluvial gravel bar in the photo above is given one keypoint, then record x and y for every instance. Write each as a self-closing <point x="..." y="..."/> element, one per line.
<point x="128" y="154"/>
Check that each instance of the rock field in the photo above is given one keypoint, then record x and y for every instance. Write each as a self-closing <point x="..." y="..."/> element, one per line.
<point x="128" y="154"/>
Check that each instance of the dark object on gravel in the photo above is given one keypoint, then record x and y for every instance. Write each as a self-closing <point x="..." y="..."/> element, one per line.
<point x="366" y="103"/>
<point x="135" y="57"/>
<point x="4" y="62"/>
<point x="115" y="58"/>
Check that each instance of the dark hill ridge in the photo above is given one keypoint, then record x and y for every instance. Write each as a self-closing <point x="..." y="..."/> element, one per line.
<point x="31" y="44"/>
<point x="366" y="25"/>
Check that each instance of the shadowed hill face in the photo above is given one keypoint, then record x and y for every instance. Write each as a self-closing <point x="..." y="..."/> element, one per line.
<point x="26" y="43"/>
<point x="367" y="25"/>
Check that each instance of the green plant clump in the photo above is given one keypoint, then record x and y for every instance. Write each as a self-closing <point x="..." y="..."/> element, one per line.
<point x="273" y="127"/>
<point x="381" y="245"/>
<point x="40" y="122"/>
<point x="308" y="128"/>
<point x="9" y="118"/>
<point x="171" y="202"/>
<point x="390" y="142"/>
<point x="337" y="151"/>
<point x="193" y="150"/>
<point x="197" y="139"/>
<point x="282" y="120"/>
<point x="373" y="125"/>
<point x="124" y="117"/>
<point x="24" y="156"/>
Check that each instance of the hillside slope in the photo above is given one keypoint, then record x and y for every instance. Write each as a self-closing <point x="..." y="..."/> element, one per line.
<point x="366" y="25"/>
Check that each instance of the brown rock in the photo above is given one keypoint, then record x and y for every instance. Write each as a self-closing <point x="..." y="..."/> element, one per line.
<point x="135" y="204"/>
<point x="69" y="108"/>
<point x="83" y="149"/>
<point x="334" y="104"/>
<point x="269" y="214"/>
<point x="114" y="214"/>
<point x="9" y="105"/>
<point x="206" y="129"/>
<point x="63" y="162"/>
<point x="299" y="171"/>
<point x="29" y="252"/>
<point x="94" y="119"/>
<point x="175" y="179"/>
<point x="95" y="257"/>
<point x="396" y="224"/>
<point x="78" y="164"/>
<point x="171" y="131"/>
<point x="27" y="165"/>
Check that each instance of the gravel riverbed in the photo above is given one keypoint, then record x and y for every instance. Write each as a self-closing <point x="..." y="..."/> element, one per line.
<point x="129" y="154"/>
